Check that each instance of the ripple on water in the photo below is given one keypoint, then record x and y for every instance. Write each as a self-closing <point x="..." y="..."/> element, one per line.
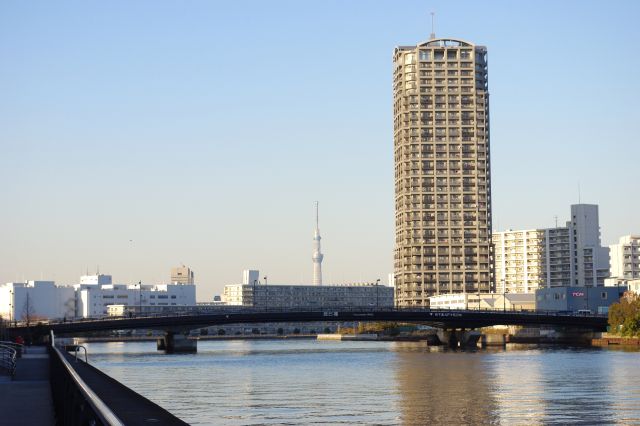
<point x="311" y="382"/>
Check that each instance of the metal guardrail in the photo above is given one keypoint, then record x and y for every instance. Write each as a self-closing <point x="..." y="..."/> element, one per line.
<point x="75" y="403"/>
<point x="19" y="347"/>
<point x="8" y="355"/>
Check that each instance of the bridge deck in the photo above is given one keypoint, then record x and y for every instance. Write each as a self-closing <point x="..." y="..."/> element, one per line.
<point x="27" y="399"/>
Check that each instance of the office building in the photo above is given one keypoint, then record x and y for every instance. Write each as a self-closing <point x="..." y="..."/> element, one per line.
<point x="93" y="300"/>
<point x="526" y="260"/>
<point x="442" y="171"/>
<point x="574" y="299"/>
<point x="33" y="301"/>
<point x="182" y="275"/>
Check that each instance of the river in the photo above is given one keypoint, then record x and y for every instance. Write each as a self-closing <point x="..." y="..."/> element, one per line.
<point x="241" y="382"/>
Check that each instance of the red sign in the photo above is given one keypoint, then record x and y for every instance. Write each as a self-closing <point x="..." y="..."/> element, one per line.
<point x="577" y="294"/>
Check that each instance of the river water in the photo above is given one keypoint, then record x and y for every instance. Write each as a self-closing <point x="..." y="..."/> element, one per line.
<point x="240" y="382"/>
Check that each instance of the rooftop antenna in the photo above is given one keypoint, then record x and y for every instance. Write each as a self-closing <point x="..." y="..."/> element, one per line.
<point x="433" y="26"/>
<point x="579" y="195"/>
<point x="556" y="218"/>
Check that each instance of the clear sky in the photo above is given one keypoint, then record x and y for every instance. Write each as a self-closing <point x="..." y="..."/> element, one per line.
<point x="139" y="135"/>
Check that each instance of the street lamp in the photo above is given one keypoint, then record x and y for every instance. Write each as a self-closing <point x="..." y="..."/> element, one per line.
<point x="266" y="294"/>
<point x="10" y="306"/>
<point x="253" y="295"/>
<point x="140" y="297"/>
<point x="504" y="296"/>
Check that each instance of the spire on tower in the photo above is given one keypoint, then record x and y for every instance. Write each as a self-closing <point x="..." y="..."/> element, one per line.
<point x="433" y="26"/>
<point x="317" y="254"/>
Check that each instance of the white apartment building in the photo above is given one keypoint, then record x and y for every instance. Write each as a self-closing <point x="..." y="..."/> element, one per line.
<point x="625" y="258"/>
<point x="526" y="260"/>
<point x="36" y="300"/>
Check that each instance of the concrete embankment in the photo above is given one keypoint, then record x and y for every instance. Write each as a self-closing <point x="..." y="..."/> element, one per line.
<point x="613" y="340"/>
<point x="348" y="337"/>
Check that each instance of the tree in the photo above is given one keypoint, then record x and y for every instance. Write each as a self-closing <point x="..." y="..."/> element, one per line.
<point x="624" y="316"/>
<point x="28" y="310"/>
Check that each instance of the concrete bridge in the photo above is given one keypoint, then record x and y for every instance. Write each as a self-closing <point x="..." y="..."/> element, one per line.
<point x="177" y="326"/>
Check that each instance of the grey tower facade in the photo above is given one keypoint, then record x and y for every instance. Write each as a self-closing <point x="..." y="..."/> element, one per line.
<point x="442" y="170"/>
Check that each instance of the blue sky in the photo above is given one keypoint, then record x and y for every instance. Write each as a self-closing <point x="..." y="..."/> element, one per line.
<point x="140" y="135"/>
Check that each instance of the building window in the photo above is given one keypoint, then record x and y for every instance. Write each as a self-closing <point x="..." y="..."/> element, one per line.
<point x="603" y="295"/>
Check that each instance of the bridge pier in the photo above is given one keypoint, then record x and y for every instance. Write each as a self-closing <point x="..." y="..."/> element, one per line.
<point x="459" y="338"/>
<point x="173" y="342"/>
<point x="493" y="339"/>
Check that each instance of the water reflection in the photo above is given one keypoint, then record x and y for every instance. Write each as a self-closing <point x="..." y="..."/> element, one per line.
<point x="442" y="387"/>
<point x="293" y="382"/>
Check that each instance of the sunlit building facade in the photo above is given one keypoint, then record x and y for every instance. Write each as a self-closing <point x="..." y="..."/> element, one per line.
<point x="442" y="171"/>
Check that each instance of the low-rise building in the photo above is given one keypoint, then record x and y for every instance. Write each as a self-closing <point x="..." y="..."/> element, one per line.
<point x="36" y="300"/>
<point x="575" y="299"/>
<point x="284" y="296"/>
<point x="90" y="298"/>
<point x="254" y="293"/>
<point x="94" y="300"/>
<point x="484" y="301"/>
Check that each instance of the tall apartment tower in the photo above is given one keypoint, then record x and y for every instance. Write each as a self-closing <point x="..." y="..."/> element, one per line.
<point x="442" y="173"/>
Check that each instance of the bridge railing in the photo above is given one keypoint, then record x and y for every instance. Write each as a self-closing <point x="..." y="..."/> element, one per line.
<point x="74" y="401"/>
<point x="222" y="310"/>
